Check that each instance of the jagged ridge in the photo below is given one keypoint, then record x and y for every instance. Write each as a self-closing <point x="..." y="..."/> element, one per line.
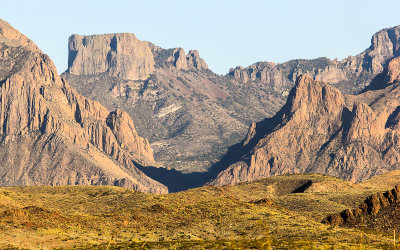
<point x="350" y="75"/>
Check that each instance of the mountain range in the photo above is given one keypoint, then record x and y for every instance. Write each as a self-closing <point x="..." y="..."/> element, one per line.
<point x="193" y="116"/>
<point x="325" y="116"/>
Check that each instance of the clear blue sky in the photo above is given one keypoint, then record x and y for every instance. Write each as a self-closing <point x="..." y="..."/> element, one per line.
<point x="226" y="33"/>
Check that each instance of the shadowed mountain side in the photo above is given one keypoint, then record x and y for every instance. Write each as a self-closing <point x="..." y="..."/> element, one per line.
<point x="323" y="128"/>
<point x="177" y="181"/>
<point x="389" y="75"/>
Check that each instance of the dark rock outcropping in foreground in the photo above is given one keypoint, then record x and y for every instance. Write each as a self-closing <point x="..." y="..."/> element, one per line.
<point x="370" y="208"/>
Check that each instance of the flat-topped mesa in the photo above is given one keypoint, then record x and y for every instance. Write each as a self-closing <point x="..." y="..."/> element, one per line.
<point x="51" y="135"/>
<point x="123" y="55"/>
<point x="120" y="55"/>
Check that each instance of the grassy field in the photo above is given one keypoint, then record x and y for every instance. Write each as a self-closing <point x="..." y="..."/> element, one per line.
<point x="277" y="212"/>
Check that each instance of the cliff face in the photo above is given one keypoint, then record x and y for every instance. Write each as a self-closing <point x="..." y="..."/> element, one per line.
<point x="121" y="55"/>
<point x="179" y="101"/>
<point x="51" y="135"/>
<point x="320" y="130"/>
<point x="350" y="75"/>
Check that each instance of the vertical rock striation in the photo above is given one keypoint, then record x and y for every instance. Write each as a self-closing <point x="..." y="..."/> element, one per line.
<point x="120" y="55"/>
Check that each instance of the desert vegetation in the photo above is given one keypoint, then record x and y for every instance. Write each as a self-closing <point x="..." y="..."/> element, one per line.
<point x="283" y="211"/>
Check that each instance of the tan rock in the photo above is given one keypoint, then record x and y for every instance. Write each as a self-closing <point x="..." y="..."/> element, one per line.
<point x="121" y="55"/>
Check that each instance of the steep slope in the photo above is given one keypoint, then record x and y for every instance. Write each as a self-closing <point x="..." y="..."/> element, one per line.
<point x="51" y="135"/>
<point x="175" y="100"/>
<point x="319" y="130"/>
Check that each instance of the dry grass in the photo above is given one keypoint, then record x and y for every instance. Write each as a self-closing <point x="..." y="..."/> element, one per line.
<point x="254" y="214"/>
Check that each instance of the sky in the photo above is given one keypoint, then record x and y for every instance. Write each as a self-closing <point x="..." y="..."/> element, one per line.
<point x="226" y="33"/>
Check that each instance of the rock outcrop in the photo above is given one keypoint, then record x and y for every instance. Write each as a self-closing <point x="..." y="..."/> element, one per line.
<point x="366" y="210"/>
<point x="181" y="101"/>
<point x="319" y="130"/>
<point x="51" y="135"/>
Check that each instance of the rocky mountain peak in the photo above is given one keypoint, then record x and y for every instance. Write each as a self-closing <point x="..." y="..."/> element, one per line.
<point x="194" y="60"/>
<point x="12" y="36"/>
<point x="386" y="42"/>
<point x="51" y="135"/>
<point x="320" y="130"/>
<point x="350" y="75"/>
<point x="314" y="96"/>
<point x="178" y="59"/>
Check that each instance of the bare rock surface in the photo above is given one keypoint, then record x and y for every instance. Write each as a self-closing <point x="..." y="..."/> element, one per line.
<point x="192" y="116"/>
<point x="121" y="55"/>
<point x="189" y="114"/>
<point x="51" y="135"/>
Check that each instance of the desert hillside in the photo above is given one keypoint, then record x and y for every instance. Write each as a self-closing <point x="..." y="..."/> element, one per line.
<point x="280" y="212"/>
